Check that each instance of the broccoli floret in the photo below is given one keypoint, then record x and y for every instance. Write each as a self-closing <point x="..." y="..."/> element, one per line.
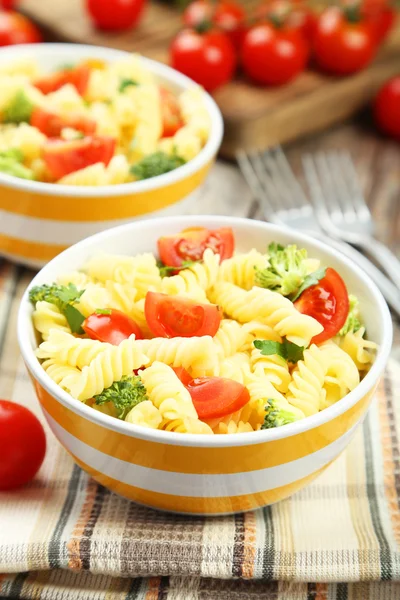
<point x="287" y="269"/>
<point x="280" y="413"/>
<point x="156" y="164"/>
<point x="353" y="322"/>
<point x="19" y="110"/>
<point x="64" y="297"/>
<point x="124" y="394"/>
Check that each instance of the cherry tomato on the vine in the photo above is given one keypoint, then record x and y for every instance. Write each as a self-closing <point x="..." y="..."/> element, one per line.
<point x="344" y="42"/>
<point x="293" y="14"/>
<point x="387" y="108"/>
<point x="17" y="29"/>
<point x="8" y="4"/>
<point x="23" y="445"/>
<point x="115" y="14"/>
<point x="231" y="18"/>
<point x="197" y="12"/>
<point x="273" y="55"/>
<point x="381" y="16"/>
<point x="208" y="58"/>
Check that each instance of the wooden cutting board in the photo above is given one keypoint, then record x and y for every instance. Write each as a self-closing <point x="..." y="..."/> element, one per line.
<point x="254" y="117"/>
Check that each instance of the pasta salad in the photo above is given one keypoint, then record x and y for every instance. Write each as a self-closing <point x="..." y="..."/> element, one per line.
<point x="203" y="339"/>
<point x="95" y="123"/>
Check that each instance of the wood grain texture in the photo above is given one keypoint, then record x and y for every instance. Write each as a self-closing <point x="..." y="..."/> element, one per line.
<point x="254" y="117"/>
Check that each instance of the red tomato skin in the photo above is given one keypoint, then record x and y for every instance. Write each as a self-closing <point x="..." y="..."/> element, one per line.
<point x="52" y="125"/>
<point x="190" y="245"/>
<point x="113" y="328"/>
<point x="341" y="47"/>
<point x="273" y="56"/>
<point x="197" y="12"/>
<point x="294" y="15"/>
<point x="183" y="375"/>
<point x="115" y="15"/>
<point x="63" y="158"/>
<point x="328" y="303"/>
<point x="17" y="29"/>
<point x="23" y="445"/>
<point x="215" y="397"/>
<point x="387" y="108"/>
<point x="171" y="114"/>
<point x="8" y="4"/>
<point x="175" y="316"/>
<point x="207" y="58"/>
<point x="78" y="77"/>
<point x="230" y="17"/>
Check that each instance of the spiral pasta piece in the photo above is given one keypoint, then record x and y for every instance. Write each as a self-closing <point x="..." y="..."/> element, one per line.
<point x="69" y="350"/>
<point x="109" y="366"/>
<point x="167" y="392"/>
<point x="178" y="286"/>
<point x="236" y="367"/>
<point x="342" y="374"/>
<point x="195" y="354"/>
<point x="360" y="350"/>
<point x="145" y="414"/>
<point x="268" y="307"/>
<point x="233" y="427"/>
<point x="77" y="278"/>
<point x="306" y="391"/>
<point x="241" y="269"/>
<point x="273" y="367"/>
<point x="255" y="330"/>
<point x="58" y="371"/>
<point x="201" y="275"/>
<point x="187" y="425"/>
<point x="230" y="338"/>
<point x="48" y="316"/>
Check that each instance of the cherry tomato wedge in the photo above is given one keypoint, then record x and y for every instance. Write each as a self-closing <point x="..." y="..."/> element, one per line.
<point x="191" y="243"/>
<point x="174" y="316"/>
<point x="328" y="303"/>
<point x="63" y="158"/>
<point x="52" y="125"/>
<point x="112" y="326"/>
<point x="215" y="397"/>
<point x="17" y="29"/>
<point x="183" y="375"/>
<point x="78" y="76"/>
<point x="23" y="445"/>
<point x="171" y="115"/>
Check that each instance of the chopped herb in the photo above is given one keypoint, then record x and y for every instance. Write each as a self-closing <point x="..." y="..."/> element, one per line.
<point x="310" y="280"/>
<point x="166" y="270"/>
<point x="125" y="83"/>
<point x="103" y="311"/>
<point x="19" y="110"/>
<point x="287" y="350"/>
<point x="64" y="297"/>
<point x="156" y="164"/>
<point x="124" y="394"/>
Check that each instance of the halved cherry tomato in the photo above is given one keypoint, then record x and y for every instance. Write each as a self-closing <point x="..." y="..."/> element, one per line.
<point x="215" y="397"/>
<point x="113" y="327"/>
<point x="52" y="125"/>
<point x="63" y="158"/>
<point x="174" y="316"/>
<point x="191" y="243"/>
<point x="328" y="303"/>
<point x="183" y="375"/>
<point x="171" y="115"/>
<point x="78" y="76"/>
<point x="23" y="445"/>
<point x="17" y="29"/>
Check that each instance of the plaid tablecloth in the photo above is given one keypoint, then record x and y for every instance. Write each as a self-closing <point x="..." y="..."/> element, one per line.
<point x="64" y="536"/>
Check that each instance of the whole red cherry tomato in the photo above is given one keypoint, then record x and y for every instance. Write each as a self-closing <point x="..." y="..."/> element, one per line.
<point x="230" y="17"/>
<point x="8" y="4"/>
<point x="294" y="14"/>
<point x="344" y="42"/>
<point x="208" y="58"/>
<point x="387" y="108"/>
<point x="23" y="445"/>
<point x="197" y="12"/>
<point x="273" y="55"/>
<point x="115" y="14"/>
<point x="381" y="16"/>
<point x="17" y="29"/>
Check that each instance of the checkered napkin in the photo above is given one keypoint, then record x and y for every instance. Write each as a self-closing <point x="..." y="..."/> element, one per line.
<point x="65" y="536"/>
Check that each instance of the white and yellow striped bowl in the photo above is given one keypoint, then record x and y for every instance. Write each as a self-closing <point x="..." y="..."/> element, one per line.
<point x="40" y="220"/>
<point x="194" y="473"/>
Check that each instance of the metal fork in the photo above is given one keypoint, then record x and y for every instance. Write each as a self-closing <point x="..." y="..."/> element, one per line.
<point x="341" y="208"/>
<point x="283" y="202"/>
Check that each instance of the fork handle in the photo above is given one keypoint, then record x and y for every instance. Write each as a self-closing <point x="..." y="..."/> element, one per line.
<point x="388" y="289"/>
<point x="385" y="257"/>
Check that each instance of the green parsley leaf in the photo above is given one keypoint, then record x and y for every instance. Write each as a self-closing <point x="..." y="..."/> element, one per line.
<point x="63" y="297"/>
<point x="287" y="350"/>
<point x="125" y="83"/>
<point x="103" y="311"/>
<point x="166" y="270"/>
<point x="75" y="318"/>
<point x="310" y="280"/>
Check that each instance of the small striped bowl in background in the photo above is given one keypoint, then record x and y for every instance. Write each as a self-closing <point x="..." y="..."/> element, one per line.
<point x="40" y="220"/>
<point x="202" y="474"/>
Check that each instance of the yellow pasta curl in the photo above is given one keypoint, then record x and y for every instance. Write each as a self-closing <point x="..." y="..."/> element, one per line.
<point x="48" y="316"/>
<point x="145" y="414"/>
<point x="306" y="391"/>
<point x="241" y="269"/>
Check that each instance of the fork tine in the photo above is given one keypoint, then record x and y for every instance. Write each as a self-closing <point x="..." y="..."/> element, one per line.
<point x="269" y="186"/>
<point x="342" y="189"/>
<point x="273" y="167"/>
<point x="252" y="179"/>
<point x="357" y="198"/>
<point x="316" y="191"/>
<point x="289" y="177"/>
<point x="327" y="184"/>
